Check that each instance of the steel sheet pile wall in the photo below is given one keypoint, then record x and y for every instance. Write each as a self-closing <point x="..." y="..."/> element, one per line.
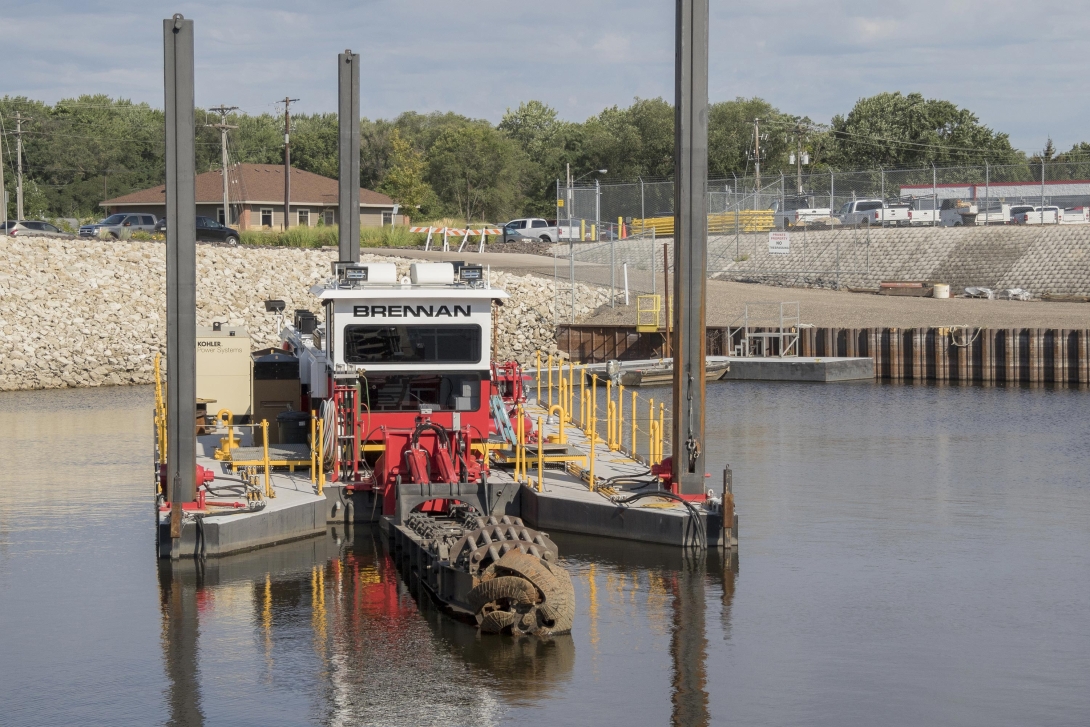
<point x="964" y="355"/>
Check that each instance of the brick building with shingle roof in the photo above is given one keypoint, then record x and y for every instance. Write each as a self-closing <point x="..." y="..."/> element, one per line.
<point x="257" y="199"/>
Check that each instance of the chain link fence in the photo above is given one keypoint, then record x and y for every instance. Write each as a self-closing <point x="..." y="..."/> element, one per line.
<point x="1061" y="184"/>
<point x="628" y="254"/>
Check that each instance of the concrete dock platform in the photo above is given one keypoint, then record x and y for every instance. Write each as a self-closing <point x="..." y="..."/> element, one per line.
<point x="823" y="369"/>
<point x="797" y="368"/>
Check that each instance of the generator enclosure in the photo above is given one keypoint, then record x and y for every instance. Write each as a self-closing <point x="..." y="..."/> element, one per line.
<point x="224" y="369"/>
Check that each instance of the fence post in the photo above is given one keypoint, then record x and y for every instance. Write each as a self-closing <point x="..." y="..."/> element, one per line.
<point x="613" y="271"/>
<point x="643" y="212"/>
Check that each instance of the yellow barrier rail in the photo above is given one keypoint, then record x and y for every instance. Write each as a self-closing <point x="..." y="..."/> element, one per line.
<point x="743" y="221"/>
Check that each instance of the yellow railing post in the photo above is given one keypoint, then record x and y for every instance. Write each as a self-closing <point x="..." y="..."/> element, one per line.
<point x="662" y="426"/>
<point x="313" y="449"/>
<point x="549" y="364"/>
<point x="651" y="429"/>
<point x="611" y="411"/>
<point x="619" y="438"/>
<point x="562" y="387"/>
<point x="539" y="376"/>
<point x="583" y="399"/>
<point x="611" y="421"/>
<point x="540" y="455"/>
<point x="634" y="418"/>
<point x="594" y="425"/>
<point x="571" y="390"/>
<point x="265" y="456"/>
<point x="520" y="447"/>
<point x="593" y="414"/>
<point x="321" y="455"/>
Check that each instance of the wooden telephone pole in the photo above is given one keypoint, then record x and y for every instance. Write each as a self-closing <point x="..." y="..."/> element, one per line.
<point x="223" y="126"/>
<point x="287" y="158"/>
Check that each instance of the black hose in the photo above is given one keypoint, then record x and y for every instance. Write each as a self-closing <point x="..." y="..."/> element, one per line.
<point x="694" y="516"/>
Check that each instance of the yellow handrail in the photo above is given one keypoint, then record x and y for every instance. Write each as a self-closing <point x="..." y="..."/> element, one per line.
<point x="313" y="449"/>
<point x="618" y="436"/>
<point x="321" y="455"/>
<point x="520" y="446"/>
<point x="571" y="389"/>
<point x="594" y="427"/>
<point x="549" y="365"/>
<point x="561" y="439"/>
<point x="540" y="455"/>
<point x="265" y="455"/>
<point x="538" y="376"/>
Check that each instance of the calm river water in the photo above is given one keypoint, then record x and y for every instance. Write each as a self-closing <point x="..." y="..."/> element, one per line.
<point x="909" y="555"/>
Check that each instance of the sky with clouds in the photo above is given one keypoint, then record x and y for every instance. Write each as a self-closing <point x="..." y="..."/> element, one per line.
<point x="1019" y="66"/>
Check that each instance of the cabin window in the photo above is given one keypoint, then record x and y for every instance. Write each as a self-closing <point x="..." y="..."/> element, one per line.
<point x="455" y="391"/>
<point x="329" y="218"/>
<point x="266" y="217"/>
<point x="387" y="218"/>
<point x="303" y="217"/>
<point x="412" y="344"/>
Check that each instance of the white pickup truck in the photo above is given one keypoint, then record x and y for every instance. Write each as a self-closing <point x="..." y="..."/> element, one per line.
<point x="979" y="214"/>
<point x="873" y="212"/>
<point x="1046" y="215"/>
<point x="800" y="212"/>
<point x="535" y="228"/>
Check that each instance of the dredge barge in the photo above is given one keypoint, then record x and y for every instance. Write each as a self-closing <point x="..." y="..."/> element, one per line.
<point x="388" y="407"/>
<point x="397" y="415"/>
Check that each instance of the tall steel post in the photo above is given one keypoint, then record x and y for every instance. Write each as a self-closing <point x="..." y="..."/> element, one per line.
<point x="690" y="244"/>
<point x="348" y="148"/>
<point x="181" y="254"/>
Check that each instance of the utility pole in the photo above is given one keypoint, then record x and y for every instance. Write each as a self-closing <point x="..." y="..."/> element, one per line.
<point x="19" y="119"/>
<point x="3" y="188"/>
<point x="798" y="156"/>
<point x="223" y="126"/>
<point x="287" y="158"/>
<point x="757" y="162"/>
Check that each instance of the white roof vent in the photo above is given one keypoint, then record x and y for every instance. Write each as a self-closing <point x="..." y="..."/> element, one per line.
<point x="382" y="273"/>
<point x="431" y="273"/>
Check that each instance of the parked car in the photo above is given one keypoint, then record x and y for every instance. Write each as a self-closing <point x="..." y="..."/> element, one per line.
<point x="208" y="230"/>
<point x="118" y="224"/>
<point x="30" y="227"/>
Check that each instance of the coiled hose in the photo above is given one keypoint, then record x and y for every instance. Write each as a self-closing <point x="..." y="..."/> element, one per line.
<point x="329" y="428"/>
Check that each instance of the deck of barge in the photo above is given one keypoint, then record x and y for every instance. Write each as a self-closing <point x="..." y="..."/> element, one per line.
<point x="564" y="503"/>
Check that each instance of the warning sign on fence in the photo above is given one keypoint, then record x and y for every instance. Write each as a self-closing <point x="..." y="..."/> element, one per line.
<point x="779" y="243"/>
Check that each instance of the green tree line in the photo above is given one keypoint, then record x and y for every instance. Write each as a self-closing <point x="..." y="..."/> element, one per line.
<point x="81" y="151"/>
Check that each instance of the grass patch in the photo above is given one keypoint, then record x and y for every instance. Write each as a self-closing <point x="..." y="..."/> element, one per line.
<point x="328" y="237"/>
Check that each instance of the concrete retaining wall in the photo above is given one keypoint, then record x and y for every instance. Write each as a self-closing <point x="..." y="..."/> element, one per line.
<point x="1044" y="260"/>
